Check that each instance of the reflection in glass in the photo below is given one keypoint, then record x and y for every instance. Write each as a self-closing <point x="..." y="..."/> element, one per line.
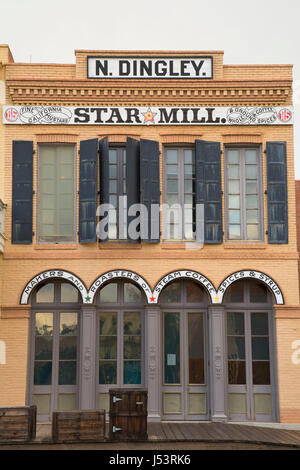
<point x="132" y="294"/>
<point x="108" y="347"/>
<point x="196" y="348"/>
<point x="67" y="373"/>
<point x="194" y="292"/>
<point x="132" y="347"/>
<point x="68" y="323"/>
<point x="236" y="347"/>
<point x="132" y="323"/>
<point x="42" y="373"/>
<point x="45" y="294"/>
<point x="44" y="324"/>
<point x="108" y="372"/>
<point x="109" y="293"/>
<point x="235" y="323"/>
<point x="259" y="294"/>
<point x="236" y="372"/>
<point x="108" y="323"/>
<point x="43" y="348"/>
<point x="132" y="372"/>
<point x="67" y="347"/>
<point x="235" y="293"/>
<point x="260" y="348"/>
<point x="261" y="372"/>
<point x="171" y="293"/>
<point x="172" y="348"/>
<point x="69" y="293"/>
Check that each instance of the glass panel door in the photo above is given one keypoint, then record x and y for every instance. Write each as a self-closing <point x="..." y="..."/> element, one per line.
<point x="184" y="365"/>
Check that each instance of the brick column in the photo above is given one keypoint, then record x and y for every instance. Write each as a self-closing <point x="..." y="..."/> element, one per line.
<point x="87" y="361"/>
<point x="153" y="361"/>
<point x="218" y="379"/>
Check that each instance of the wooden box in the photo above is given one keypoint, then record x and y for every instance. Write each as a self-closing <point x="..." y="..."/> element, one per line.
<point x="78" y="426"/>
<point x="128" y="414"/>
<point x="18" y="424"/>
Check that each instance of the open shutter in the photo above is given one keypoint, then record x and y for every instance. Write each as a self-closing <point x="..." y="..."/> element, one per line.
<point x="132" y="176"/>
<point x="150" y="190"/>
<point x="277" y="192"/>
<point x="209" y="189"/>
<point x="104" y="181"/>
<point x="22" y="191"/>
<point x="88" y="190"/>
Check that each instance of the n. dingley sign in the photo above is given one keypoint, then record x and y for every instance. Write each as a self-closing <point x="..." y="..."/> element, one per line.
<point x="61" y="115"/>
<point x="150" y="67"/>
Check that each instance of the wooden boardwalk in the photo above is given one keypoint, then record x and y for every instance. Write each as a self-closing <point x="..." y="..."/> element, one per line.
<point x="221" y="432"/>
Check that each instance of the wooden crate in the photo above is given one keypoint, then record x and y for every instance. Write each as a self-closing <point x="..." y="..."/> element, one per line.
<point x="128" y="414"/>
<point x="18" y="424"/>
<point x="78" y="426"/>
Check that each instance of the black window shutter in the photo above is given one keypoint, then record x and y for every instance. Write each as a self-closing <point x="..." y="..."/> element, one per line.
<point x="88" y="190"/>
<point x="22" y="191"/>
<point x="104" y="182"/>
<point x="277" y="192"/>
<point x="209" y="189"/>
<point x="150" y="189"/>
<point x="132" y="176"/>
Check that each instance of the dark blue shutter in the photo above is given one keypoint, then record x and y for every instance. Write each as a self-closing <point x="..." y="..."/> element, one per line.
<point x="209" y="189"/>
<point x="88" y="190"/>
<point x="104" y="178"/>
<point x="150" y="190"/>
<point x="22" y="191"/>
<point x="277" y="192"/>
<point x="132" y="175"/>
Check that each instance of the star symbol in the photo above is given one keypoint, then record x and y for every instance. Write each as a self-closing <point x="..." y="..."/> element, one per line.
<point x="152" y="299"/>
<point x="217" y="299"/>
<point x="88" y="299"/>
<point x="149" y="116"/>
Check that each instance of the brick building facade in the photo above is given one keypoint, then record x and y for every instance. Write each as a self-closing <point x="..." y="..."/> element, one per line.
<point x="206" y="320"/>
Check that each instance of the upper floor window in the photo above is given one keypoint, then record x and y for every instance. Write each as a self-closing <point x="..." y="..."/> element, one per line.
<point x="243" y="194"/>
<point x="179" y="214"/>
<point x="117" y="189"/>
<point x="56" y="193"/>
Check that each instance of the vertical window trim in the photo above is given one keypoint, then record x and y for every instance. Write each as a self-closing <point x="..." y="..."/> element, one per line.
<point x="242" y="149"/>
<point x="180" y="148"/>
<point x="74" y="145"/>
<point x="120" y="148"/>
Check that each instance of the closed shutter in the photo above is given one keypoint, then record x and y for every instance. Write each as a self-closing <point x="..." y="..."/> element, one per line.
<point x="22" y="191"/>
<point x="104" y="184"/>
<point x="132" y="177"/>
<point x="150" y="190"/>
<point x="209" y="189"/>
<point x="88" y="190"/>
<point x="277" y="192"/>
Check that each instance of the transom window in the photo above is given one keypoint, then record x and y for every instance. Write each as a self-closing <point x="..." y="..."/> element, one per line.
<point x="56" y="193"/>
<point x="179" y="220"/>
<point x="243" y="194"/>
<point x="117" y="189"/>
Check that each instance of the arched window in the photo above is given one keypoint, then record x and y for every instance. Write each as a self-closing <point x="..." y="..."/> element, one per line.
<point x="54" y="347"/>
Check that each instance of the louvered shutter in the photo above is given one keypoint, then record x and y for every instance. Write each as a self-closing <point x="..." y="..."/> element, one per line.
<point x="277" y="192"/>
<point x="22" y="191"/>
<point x="104" y="181"/>
<point x="88" y="178"/>
<point x="150" y="190"/>
<point x="209" y="189"/>
<point x="132" y="176"/>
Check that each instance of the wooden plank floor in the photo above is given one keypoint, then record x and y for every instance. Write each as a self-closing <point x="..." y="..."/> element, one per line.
<point x="221" y="432"/>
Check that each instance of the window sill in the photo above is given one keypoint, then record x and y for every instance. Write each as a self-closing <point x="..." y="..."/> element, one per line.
<point x="119" y="245"/>
<point x="174" y="245"/>
<point x="56" y="246"/>
<point x="245" y="246"/>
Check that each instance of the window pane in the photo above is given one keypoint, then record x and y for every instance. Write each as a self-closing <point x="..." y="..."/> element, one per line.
<point x="235" y="322"/>
<point x="234" y="202"/>
<point x="42" y="373"/>
<point x="108" y="347"/>
<point x="251" y="171"/>
<point x="233" y="171"/>
<point x="67" y="347"/>
<point x="235" y="293"/>
<point x="188" y="170"/>
<point x="233" y="187"/>
<point x="132" y="323"/>
<point x="172" y="199"/>
<point x="107" y="372"/>
<point x="132" y="347"/>
<point x="261" y="373"/>
<point x="259" y="321"/>
<point x="132" y="294"/>
<point x="172" y="186"/>
<point x="45" y="294"/>
<point x="172" y="170"/>
<point x="108" y="323"/>
<point x="68" y="323"/>
<point x="109" y="293"/>
<point x="251" y="188"/>
<point x="196" y="348"/>
<point x="43" y="348"/>
<point x="252" y="216"/>
<point x="171" y="293"/>
<point x="233" y="156"/>
<point x="112" y="171"/>
<point x="236" y="372"/>
<point x="250" y="156"/>
<point x="236" y="347"/>
<point x="112" y="186"/>
<point x="172" y="156"/>
<point x="234" y="232"/>
<point x="132" y="372"/>
<point x="172" y="348"/>
<point x="251" y="202"/>
<point x="188" y="186"/>
<point x="112" y="156"/>
<point x="194" y="292"/>
<point x="234" y="216"/>
<point x="44" y="324"/>
<point x="188" y="156"/>
<point x="67" y="373"/>
<point x="252" y="232"/>
<point x="260" y="348"/>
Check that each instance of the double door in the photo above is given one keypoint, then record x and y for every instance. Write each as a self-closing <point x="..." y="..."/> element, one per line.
<point x="185" y="366"/>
